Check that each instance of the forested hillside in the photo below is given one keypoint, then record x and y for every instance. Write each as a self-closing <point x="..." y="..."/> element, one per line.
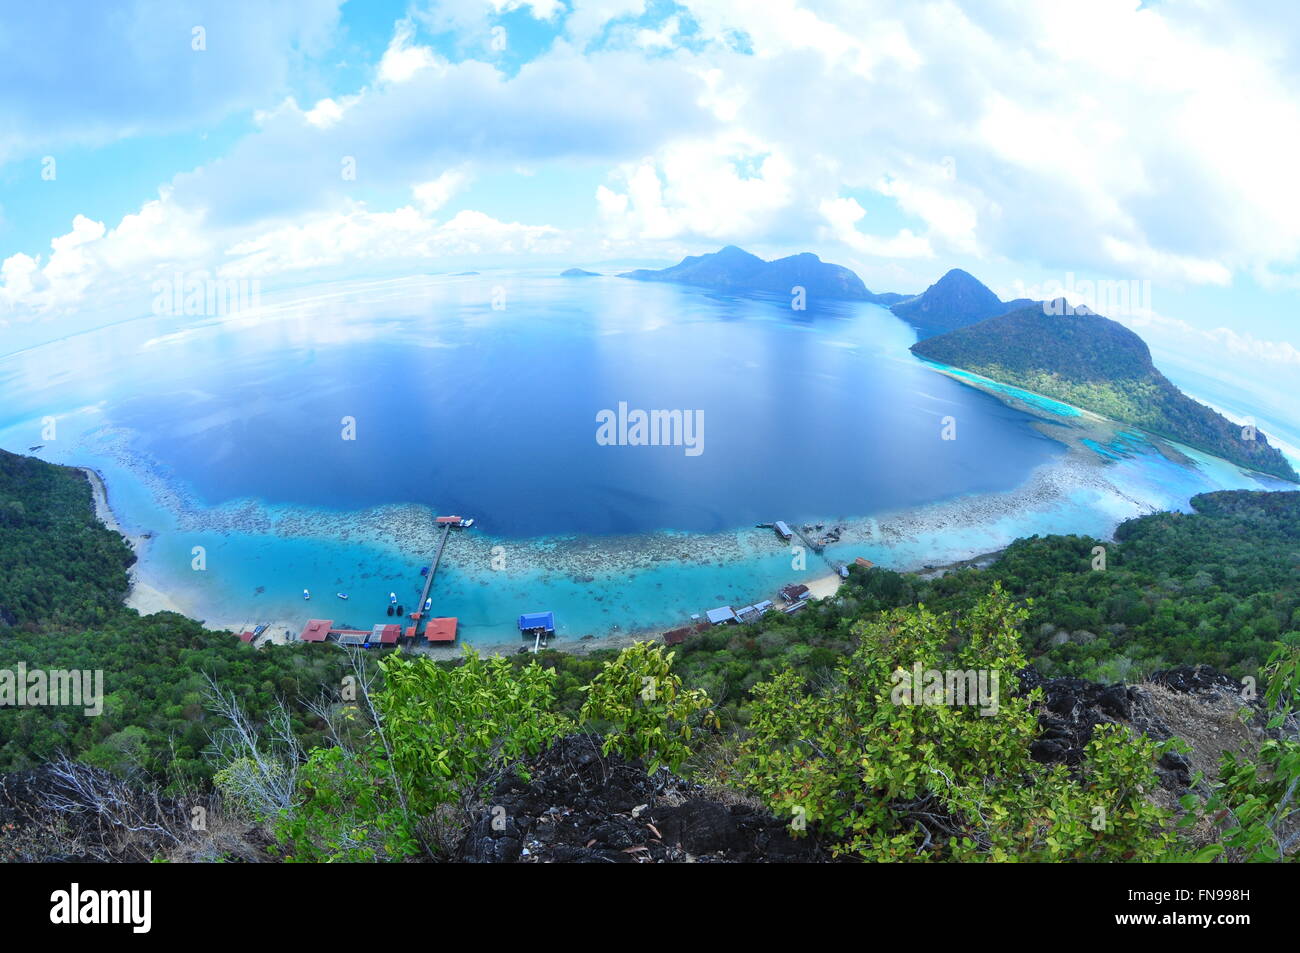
<point x="781" y="739"/>
<point x="1100" y="365"/>
<point x="58" y="565"/>
<point x="62" y="581"/>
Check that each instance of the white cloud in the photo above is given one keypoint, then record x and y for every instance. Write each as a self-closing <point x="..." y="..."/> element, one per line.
<point x="842" y="216"/>
<point x="119" y="266"/>
<point x="97" y="72"/>
<point x="325" y="113"/>
<point x="361" y="236"/>
<point x="1102" y="136"/>
<point x="716" y="190"/>
<point x="436" y="193"/>
<point x="404" y="59"/>
<point x="1216" y="342"/>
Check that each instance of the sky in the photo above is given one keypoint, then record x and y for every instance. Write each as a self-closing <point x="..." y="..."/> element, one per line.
<point x="1039" y="146"/>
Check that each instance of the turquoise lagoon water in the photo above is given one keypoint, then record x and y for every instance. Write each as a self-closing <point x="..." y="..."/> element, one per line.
<point x="227" y="433"/>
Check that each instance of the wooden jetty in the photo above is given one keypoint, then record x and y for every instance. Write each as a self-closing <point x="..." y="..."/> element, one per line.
<point x="433" y="568"/>
<point x="815" y="547"/>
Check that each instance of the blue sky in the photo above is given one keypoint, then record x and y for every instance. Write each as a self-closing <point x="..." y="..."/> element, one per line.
<point x="1028" y="143"/>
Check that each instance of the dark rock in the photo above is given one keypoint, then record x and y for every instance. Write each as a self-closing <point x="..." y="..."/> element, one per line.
<point x="1195" y="678"/>
<point x="578" y="806"/>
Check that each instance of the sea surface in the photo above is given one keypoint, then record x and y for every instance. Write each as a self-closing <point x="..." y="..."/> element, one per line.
<point x="309" y="442"/>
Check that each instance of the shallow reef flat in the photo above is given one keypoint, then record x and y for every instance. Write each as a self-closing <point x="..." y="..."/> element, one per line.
<point x="619" y="584"/>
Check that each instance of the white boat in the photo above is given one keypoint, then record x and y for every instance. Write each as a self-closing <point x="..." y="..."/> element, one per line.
<point x="306" y="593"/>
<point x="341" y="595"/>
<point x="392" y="598"/>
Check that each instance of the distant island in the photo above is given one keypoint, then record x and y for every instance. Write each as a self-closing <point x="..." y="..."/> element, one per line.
<point x="1092" y="362"/>
<point x="736" y="270"/>
<point x="579" y="273"/>
<point x="954" y="301"/>
<point x="1080" y="357"/>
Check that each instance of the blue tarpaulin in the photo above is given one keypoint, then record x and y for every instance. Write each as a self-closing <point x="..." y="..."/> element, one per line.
<point x="537" y="620"/>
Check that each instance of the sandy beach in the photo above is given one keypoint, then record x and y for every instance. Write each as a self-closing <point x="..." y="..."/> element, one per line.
<point x="144" y="598"/>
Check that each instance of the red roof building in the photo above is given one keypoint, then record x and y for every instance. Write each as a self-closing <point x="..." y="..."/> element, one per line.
<point x="316" y="630"/>
<point x="676" y="636"/>
<point x="447" y="519"/>
<point x="385" y="634"/>
<point x="794" y="592"/>
<point x="245" y="636"/>
<point x="410" y="632"/>
<point x="440" y="630"/>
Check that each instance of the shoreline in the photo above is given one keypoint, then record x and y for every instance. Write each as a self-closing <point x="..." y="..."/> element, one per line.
<point x="147" y="600"/>
<point x="976" y="528"/>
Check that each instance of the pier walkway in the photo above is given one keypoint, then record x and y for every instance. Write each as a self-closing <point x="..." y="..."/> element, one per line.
<point x="433" y="569"/>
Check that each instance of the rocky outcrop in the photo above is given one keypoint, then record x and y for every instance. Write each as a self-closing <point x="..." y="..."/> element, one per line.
<point x="578" y="806"/>
<point x="1072" y="708"/>
<point x="68" y="812"/>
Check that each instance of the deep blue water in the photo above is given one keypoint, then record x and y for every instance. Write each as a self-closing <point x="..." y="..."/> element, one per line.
<point x="493" y="413"/>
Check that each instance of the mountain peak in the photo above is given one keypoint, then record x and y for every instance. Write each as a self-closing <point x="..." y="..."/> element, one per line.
<point x="955" y="300"/>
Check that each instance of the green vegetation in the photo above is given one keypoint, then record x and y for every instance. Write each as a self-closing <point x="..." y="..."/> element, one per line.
<point x="891" y="778"/>
<point x="58" y="565"/>
<point x="875" y="777"/>
<point x="1257" y="806"/>
<point x="1219" y="586"/>
<point x="802" y="712"/>
<point x="1093" y="362"/>
<point x="62" y="581"/>
<point x="646" y="711"/>
<point x="439" y="736"/>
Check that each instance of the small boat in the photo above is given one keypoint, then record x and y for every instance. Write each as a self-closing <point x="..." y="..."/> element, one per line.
<point x="306" y="593"/>
<point x="428" y="604"/>
<point x="341" y="595"/>
<point x="399" y="610"/>
<point x="467" y="523"/>
<point x="390" y="610"/>
<point x="392" y="598"/>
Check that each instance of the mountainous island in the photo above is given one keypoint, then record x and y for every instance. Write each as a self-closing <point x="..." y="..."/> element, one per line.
<point x="579" y="273"/>
<point x="1093" y="362"/>
<point x="735" y="270"/>
<point x="954" y="301"/>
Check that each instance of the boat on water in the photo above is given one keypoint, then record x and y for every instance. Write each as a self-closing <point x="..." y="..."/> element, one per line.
<point x="392" y="598"/>
<point x="306" y="593"/>
<point x="341" y="595"/>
